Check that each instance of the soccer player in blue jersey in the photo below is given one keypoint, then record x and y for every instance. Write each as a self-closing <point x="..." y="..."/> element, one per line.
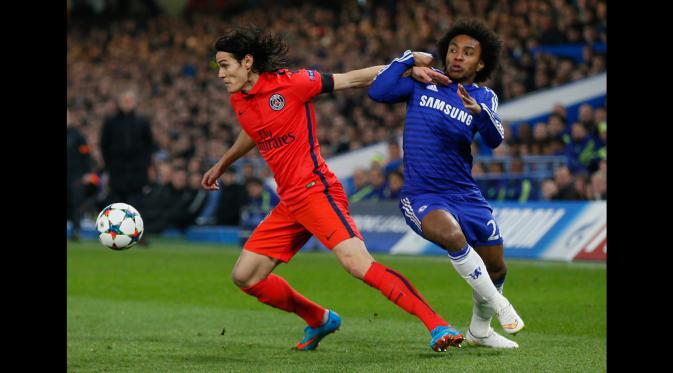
<point x="440" y="200"/>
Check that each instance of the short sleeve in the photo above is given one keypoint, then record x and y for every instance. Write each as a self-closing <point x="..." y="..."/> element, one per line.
<point x="307" y="84"/>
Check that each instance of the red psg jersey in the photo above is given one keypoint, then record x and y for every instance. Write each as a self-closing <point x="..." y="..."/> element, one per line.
<point x="277" y="113"/>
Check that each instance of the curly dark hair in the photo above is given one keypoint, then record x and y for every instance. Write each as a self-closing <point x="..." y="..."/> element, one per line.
<point x="491" y="45"/>
<point x="269" y="52"/>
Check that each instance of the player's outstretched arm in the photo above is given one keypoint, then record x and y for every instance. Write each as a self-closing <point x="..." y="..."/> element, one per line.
<point x="242" y="145"/>
<point x="364" y="77"/>
<point x="356" y="78"/>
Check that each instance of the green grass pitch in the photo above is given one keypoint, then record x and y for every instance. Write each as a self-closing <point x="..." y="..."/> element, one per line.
<point x="173" y="308"/>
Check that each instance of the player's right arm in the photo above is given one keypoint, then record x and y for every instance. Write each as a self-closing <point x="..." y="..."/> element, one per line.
<point x="364" y="77"/>
<point x="242" y="145"/>
<point x="391" y="84"/>
<point x="307" y="84"/>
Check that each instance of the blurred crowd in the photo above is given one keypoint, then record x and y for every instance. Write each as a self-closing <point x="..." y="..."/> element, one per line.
<point x="539" y="161"/>
<point x="166" y="65"/>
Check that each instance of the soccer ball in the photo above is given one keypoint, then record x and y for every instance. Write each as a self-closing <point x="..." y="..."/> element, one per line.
<point x="119" y="226"/>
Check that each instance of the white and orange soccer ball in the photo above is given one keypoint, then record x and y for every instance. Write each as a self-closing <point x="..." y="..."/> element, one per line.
<point x="119" y="226"/>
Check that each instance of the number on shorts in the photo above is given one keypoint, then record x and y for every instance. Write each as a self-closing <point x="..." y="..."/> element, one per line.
<point x="494" y="236"/>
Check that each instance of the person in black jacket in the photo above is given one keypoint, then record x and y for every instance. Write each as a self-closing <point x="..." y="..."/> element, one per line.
<point x="127" y="146"/>
<point x="177" y="212"/>
<point x="233" y="197"/>
<point x="78" y="166"/>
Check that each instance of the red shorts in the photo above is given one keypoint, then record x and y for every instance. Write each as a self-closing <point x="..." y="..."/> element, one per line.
<point x="287" y="228"/>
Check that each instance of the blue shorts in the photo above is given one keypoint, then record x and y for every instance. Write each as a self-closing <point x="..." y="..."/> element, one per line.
<point x="472" y="212"/>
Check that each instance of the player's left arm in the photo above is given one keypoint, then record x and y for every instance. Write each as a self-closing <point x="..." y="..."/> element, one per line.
<point x="485" y="116"/>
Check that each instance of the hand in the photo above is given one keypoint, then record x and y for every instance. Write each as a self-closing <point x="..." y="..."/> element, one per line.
<point x="209" y="181"/>
<point x="428" y="75"/>
<point x="422" y="59"/>
<point x="469" y="103"/>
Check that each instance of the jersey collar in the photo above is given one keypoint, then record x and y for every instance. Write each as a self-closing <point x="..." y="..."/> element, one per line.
<point x="261" y="82"/>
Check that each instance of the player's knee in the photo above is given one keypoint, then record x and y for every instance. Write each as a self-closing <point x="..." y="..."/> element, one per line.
<point x="242" y="279"/>
<point x="497" y="271"/>
<point x="354" y="257"/>
<point x="357" y="267"/>
<point x="452" y="240"/>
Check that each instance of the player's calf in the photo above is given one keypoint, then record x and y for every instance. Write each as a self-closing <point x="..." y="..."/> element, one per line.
<point x="276" y="292"/>
<point x="393" y="285"/>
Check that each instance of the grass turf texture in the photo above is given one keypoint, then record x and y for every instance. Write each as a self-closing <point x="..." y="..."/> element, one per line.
<point x="173" y="307"/>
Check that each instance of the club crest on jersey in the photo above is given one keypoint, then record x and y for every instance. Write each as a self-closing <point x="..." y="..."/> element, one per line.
<point x="277" y="102"/>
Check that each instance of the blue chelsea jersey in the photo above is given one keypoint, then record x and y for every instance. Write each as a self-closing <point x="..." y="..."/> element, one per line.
<point x="438" y="130"/>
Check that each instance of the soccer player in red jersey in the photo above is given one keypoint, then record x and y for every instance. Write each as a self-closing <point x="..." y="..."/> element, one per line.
<point x="274" y="108"/>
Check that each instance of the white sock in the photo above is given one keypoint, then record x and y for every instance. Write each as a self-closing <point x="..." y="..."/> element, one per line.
<point x="482" y="314"/>
<point x="471" y="267"/>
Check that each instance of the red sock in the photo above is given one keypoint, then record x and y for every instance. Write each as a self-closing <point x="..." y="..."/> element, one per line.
<point x="276" y="292"/>
<point x="400" y="291"/>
